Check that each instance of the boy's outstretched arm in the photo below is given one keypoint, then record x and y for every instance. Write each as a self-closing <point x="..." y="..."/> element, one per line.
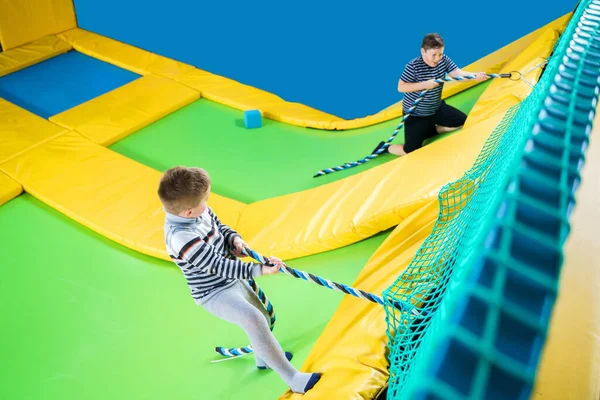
<point x="193" y="250"/>
<point x="201" y="255"/>
<point x="479" y="76"/>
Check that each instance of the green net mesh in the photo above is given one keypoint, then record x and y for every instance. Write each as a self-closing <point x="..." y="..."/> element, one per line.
<point x="471" y="209"/>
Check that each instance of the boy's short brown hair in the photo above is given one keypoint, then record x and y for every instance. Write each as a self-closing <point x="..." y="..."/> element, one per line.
<point x="432" y="41"/>
<point x="182" y="188"/>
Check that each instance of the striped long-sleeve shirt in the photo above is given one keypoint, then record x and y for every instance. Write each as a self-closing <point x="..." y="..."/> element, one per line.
<point x="418" y="71"/>
<point x="201" y="247"/>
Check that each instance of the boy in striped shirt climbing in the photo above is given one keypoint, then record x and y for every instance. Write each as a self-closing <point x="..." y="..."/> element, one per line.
<point x="432" y="116"/>
<point x="206" y="251"/>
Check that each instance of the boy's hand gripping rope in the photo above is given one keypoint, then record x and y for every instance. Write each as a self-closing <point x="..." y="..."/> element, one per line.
<point x="232" y="352"/>
<point x="515" y="75"/>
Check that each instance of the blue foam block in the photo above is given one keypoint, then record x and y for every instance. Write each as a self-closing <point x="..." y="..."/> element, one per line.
<point x="252" y="119"/>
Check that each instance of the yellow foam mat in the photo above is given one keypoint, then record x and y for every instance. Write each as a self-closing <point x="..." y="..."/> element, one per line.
<point x="117" y="197"/>
<point x="354" y="208"/>
<point x="502" y="94"/>
<point x="237" y="95"/>
<point x="120" y="112"/>
<point x="21" y="130"/>
<point x="9" y="189"/>
<point x="109" y="193"/>
<point x="123" y="55"/>
<point x="570" y="363"/>
<point x="351" y="351"/>
<point x="32" y="53"/>
<point x="22" y="22"/>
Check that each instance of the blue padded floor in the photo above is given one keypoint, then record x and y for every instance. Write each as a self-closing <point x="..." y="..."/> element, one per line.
<point x="61" y="83"/>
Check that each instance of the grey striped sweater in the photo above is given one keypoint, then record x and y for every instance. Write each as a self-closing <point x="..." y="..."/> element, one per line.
<point x="202" y="248"/>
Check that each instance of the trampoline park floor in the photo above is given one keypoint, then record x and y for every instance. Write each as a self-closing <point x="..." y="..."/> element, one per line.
<point x="87" y="318"/>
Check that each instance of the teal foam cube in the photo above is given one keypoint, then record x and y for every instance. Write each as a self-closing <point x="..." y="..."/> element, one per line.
<point x="252" y="119"/>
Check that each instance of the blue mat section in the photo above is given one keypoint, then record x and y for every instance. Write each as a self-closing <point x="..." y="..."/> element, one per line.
<point x="338" y="57"/>
<point x="61" y="83"/>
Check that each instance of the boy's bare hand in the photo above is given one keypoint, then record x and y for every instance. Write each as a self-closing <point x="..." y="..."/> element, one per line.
<point x="238" y="246"/>
<point x="481" y="76"/>
<point x="269" y="270"/>
<point x="430" y="84"/>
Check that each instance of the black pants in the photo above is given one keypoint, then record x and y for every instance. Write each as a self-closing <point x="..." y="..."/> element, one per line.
<point x="419" y="129"/>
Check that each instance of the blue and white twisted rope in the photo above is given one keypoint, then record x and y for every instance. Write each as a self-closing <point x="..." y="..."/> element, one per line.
<point x="339" y="287"/>
<point x="404" y="118"/>
<point x="238" y="351"/>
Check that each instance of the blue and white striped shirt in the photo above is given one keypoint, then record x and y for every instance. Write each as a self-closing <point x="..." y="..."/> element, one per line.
<point x="418" y="71"/>
<point x="202" y="248"/>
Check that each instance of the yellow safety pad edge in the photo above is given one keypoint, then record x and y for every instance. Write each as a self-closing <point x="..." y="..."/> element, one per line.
<point x="22" y="22"/>
<point x="503" y="60"/>
<point x="21" y="130"/>
<point x="111" y="117"/>
<point x="32" y="53"/>
<point x="9" y="189"/>
<point x="359" y="206"/>
<point x="109" y="193"/>
<point x="502" y="94"/>
<point x="122" y="55"/>
<point x="244" y="97"/>
<point x="570" y="363"/>
<point x="351" y="353"/>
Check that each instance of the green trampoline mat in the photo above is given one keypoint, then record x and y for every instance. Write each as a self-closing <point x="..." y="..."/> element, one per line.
<point x="85" y="318"/>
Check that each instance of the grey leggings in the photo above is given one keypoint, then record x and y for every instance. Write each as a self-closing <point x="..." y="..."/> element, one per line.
<point x="240" y="305"/>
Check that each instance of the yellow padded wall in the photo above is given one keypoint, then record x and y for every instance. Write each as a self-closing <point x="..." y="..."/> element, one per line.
<point x="23" y="21"/>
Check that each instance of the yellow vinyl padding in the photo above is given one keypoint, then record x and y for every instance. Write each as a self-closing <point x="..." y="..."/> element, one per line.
<point x="244" y="97"/>
<point x="21" y="130"/>
<point x="352" y="350"/>
<point x="116" y="196"/>
<point x="359" y="206"/>
<point x="31" y="53"/>
<point x="502" y="94"/>
<point x="109" y="193"/>
<point x="128" y="57"/>
<point x="9" y="189"/>
<point x="120" y="112"/>
<point x="23" y="21"/>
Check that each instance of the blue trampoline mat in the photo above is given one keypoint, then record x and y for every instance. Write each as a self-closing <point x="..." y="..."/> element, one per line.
<point x="61" y="83"/>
